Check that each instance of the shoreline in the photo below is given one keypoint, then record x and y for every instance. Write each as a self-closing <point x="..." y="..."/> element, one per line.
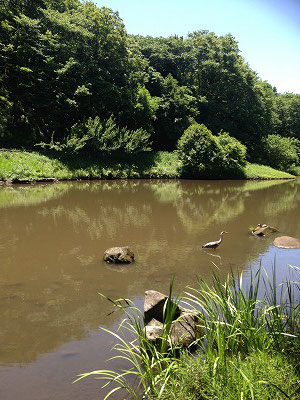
<point x="55" y="180"/>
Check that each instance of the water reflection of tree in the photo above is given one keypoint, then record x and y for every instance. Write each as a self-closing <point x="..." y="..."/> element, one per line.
<point x="199" y="212"/>
<point x="286" y="199"/>
<point x="201" y="206"/>
<point x="13" y="196"/>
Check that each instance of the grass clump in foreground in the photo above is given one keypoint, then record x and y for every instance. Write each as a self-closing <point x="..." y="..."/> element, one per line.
<point x="259" y="375"/>
<point x="249" y="347"/>
<point x="18" y="166"/>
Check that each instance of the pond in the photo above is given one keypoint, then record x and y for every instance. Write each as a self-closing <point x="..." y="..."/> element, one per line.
<point x="52" y="242"/>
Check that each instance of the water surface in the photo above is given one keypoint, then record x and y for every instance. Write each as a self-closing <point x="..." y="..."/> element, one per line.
<point x="51" y="245"/>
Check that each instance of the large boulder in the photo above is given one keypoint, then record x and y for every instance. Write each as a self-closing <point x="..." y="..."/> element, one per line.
<point x="119" y="255"/>
<point x="287" y="242"/>
<point x="183" y="330"/>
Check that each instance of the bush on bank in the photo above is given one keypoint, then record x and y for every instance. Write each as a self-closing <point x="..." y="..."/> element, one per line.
<point x="204" y="155"/>
<point x="279" y="152"/>
<point x="101" y="136"/>
<point x="234" y="152"/>
<point x="199" y="152"/>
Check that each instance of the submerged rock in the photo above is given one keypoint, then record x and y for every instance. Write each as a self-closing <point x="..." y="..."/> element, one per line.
<point x="287" y="242"/>
<point x="119" y="255"/>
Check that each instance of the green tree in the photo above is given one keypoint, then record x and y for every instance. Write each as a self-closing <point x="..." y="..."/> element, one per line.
<point x="235" y="99"/>
<point x="287" y="108"/>
<point x="279" y="152"/>
<point x="176" y="111"/>
<point x="199" y="152"/>
<point x="64" y="61"/>
<point x="145" y="108"/>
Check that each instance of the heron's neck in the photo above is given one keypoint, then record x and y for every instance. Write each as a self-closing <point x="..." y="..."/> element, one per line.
<point x="221" y="237"/>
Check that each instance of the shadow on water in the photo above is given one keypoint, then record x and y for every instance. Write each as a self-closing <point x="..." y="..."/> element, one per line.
<point x="51" y="248"/>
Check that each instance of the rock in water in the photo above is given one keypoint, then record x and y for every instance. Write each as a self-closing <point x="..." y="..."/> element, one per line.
<point x="287" y="242"/>
<point x="183" y="330"/>
<point x="263" y="230"/>
<point x="154" y="305"/>
<point x="119" y="255"/>
<point x="153" y="331"/>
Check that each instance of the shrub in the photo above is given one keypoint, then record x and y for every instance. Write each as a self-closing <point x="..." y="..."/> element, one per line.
<point x="102" y="136"/>
<point x="108" y="137"/>
<point x="279" y="152"/>
<point x="234" y="152"/>
<point x="199" y="152"/>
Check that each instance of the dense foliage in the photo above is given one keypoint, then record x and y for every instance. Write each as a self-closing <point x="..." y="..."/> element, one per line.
<point x="102" y="136"/>
<point x="202" y="154"/>
<point x="234" y="152"/>
<point x="199" y="151"/>
<point x="65" y="63"/>
<point x="279" y="152"/>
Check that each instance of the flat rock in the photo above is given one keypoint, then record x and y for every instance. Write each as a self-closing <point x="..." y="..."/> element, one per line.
<point x="287" y="242"/>
<point x="119" y="255"/>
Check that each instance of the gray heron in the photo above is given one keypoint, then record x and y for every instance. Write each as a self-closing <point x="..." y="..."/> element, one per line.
<point x="214" y="245"/>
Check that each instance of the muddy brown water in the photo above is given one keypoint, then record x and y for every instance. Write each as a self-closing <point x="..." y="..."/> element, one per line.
<point x="52" y="240"/>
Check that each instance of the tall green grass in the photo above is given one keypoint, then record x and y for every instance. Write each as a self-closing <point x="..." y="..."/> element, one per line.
<point x="249" y="342"/>
<point x="236" y="321"/>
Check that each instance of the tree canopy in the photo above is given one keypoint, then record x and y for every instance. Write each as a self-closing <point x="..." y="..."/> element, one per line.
<point x="66" y="62"/>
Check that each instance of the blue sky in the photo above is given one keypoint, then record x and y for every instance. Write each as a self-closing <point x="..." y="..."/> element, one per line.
<point x="268" y="31"/>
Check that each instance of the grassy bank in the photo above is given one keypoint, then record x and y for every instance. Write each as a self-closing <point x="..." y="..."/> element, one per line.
<point x="256" y="171"/>
<point x="247" y="347"/>
<point x="19" y="166"/>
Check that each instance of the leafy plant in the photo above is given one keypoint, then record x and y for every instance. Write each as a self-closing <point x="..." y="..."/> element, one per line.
<point x="101" y="136"/>
<point x="107" y="137"/>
